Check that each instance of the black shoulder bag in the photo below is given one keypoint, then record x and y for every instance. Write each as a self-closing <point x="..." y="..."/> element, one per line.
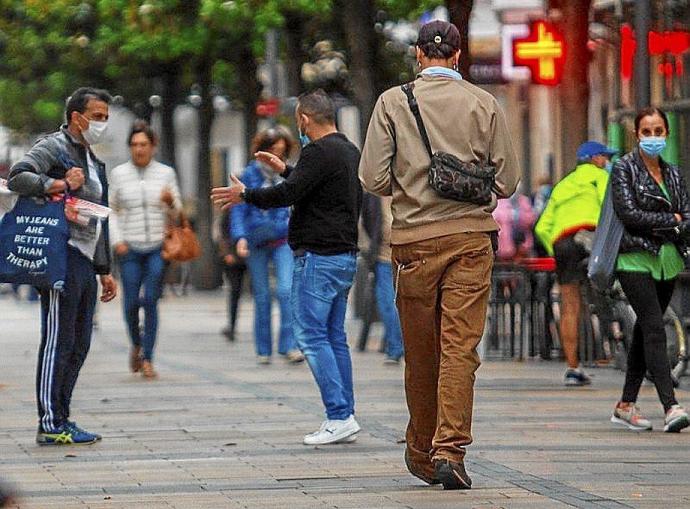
<point x="449" y="176"/>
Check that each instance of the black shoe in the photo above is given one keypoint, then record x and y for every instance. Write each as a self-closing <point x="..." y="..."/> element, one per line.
<point x="418" y="472"/>
<point x="229" y="333"/>
<point x="452" y="475"/>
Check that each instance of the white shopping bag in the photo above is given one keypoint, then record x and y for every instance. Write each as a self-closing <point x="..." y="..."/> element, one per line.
<point x="8" y="199"/>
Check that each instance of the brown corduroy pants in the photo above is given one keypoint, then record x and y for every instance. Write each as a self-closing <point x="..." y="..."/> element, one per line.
<point x="443" y="289"/>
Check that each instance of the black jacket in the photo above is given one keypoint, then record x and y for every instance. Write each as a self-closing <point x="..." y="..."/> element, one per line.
<point x="644" y="210"/>
<point x="327" y="197"/>
<point x="47" y="161"/>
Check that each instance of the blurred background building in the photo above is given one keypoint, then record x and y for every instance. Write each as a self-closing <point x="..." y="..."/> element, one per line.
<point x="209" y="74"/>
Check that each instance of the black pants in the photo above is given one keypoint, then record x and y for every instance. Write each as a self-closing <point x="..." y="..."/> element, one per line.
<point x="649" y="299"/>
<point x="66" y="325"/>
<point x="235" y="275"/>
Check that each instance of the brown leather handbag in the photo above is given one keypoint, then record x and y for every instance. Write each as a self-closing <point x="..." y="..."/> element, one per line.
<point x="180" y="243"/>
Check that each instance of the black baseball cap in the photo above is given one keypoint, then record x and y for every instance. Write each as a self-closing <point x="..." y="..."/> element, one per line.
<point x="439" y="32"/>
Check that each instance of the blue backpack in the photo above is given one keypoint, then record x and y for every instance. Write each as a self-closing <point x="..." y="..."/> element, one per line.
<point x="33" y="244"/>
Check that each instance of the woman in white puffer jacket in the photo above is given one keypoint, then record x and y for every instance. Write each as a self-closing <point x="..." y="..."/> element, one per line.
<point x="143" y="195"/>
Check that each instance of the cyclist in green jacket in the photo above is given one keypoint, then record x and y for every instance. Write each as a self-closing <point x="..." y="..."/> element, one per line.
<point x="574" y="205"/>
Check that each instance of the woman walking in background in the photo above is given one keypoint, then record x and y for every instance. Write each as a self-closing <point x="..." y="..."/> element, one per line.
<point x="234" y="267"/>
<point x="651" y="199"/>
<point x="261" y="237"/>
<point x="143" y="195"/>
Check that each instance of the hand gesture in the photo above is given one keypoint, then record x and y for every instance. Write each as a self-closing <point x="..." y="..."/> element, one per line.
<point x="226" y="197"/>
<point x="121" y="248"/>
<point x="71" y="212"/>
<point x="275" y="162"/>
<point x="109" y="288"/>
<point x="242" y="248"/>
<point x="74" y="178"/>
<point x="167" y="197"/>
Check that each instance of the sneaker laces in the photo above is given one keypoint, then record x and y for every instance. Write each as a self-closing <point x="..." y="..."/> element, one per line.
<point x="321" y="429"/>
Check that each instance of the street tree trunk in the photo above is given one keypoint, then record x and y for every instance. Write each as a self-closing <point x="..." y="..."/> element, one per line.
<point x="574" y="88"/>
<point x="294" y="52"/>
<point x="205" y="273"/>
<point x="460" y="12"/>
<point x="357" y="18"/>
<point x="250" y="92"/>
<point x="169" y="102"/>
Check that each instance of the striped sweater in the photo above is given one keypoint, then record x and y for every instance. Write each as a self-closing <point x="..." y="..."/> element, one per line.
<point x="139" y="216"/>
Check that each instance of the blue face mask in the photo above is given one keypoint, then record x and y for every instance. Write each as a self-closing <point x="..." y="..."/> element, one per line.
<point x="653" y="145"/>
<point x="304" y="140"/>
<point x="609" y="166"/>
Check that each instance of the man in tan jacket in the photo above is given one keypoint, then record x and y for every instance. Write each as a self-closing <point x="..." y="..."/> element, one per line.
<point x="442" y="249"/>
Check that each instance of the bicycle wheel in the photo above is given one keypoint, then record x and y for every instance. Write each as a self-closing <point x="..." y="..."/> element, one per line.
<point x="624" y="317"/>
<point x="676" y="343"/>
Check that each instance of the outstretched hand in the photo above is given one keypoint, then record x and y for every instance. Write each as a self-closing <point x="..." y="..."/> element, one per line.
<point x="275" y="162"/>
<point x="226" y="197"/>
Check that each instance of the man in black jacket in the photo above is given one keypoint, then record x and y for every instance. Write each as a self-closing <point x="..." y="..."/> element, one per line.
<point x="60" y="163"/>
<point x="327" y="197"/>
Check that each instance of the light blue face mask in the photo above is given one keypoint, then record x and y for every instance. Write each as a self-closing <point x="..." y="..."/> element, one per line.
<point x="304" y="140"/>
<point x="653" y="145"/>
<point x="609" y="166"/>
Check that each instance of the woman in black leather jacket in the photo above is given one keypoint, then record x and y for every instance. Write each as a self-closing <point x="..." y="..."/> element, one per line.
<point x="651" y="199"/>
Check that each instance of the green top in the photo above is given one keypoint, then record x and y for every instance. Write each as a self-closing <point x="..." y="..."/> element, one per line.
<point x="664" y="266"/>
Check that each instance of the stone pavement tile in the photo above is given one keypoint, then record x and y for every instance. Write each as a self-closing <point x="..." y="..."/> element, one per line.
<point x="109" y="502"/>
<point x="437" y="498"/>
<point x="358" y="501"/>
<point x="274" y="499"/>
<point x="210" y="501"/>
<point x="49" y="503"/>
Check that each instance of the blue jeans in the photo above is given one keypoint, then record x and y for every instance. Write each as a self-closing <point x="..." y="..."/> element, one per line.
<point x="257" y="263"/>
<point x="320" y="287"/>
<point x="385" y="301"/>
<point x="142" y="268"/>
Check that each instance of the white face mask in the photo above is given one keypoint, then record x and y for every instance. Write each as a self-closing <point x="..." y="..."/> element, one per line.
<point x="94" y="132"/>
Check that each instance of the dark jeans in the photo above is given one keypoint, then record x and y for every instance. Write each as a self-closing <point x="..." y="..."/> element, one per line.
<point x="235" y="275"/>
<point x="142" y="268"/>
<point x="66" y="324"/>
<point x="649" y="299"/>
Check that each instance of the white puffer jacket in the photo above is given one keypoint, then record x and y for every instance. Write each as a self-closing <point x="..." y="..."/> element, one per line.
<point x="139" y="216"/>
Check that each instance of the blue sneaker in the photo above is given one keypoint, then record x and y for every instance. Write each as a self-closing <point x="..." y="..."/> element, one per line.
<point x="576" y="378"/>
<point x="77" y="428"/>
<point x="65" y="435"/>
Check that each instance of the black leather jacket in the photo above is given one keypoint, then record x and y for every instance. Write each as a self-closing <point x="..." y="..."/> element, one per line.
<point x="644" y="210"/>
<point x="44" y="163"/>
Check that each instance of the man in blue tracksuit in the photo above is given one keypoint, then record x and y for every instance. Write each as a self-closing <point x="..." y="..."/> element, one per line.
<point x="59" y="163"/>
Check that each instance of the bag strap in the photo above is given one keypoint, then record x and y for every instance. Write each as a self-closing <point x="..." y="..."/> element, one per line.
<point x="414" y="107"/>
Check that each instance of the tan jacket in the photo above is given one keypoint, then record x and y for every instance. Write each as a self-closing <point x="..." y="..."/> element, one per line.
<point x="461" y="119"/>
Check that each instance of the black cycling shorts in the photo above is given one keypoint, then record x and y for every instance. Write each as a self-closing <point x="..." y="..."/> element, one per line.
<point x="570" y="257"/>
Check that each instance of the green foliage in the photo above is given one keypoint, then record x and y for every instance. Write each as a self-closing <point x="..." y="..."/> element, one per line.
<point x="408" y="9"/>
<point x="50" y="47"/>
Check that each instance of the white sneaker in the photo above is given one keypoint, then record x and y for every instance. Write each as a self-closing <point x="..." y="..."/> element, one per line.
<point x="676" y="419"/>
<point x="332" y="431"/>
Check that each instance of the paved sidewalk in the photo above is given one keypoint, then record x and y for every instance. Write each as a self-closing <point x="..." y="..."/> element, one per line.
<point x="218" y="431"/>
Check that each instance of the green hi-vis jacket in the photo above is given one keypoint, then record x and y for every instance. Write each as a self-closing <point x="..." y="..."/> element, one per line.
<point x="575" y="204"/>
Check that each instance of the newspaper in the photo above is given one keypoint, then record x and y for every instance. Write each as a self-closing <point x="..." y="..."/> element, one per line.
<point x="86" y="210"/>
